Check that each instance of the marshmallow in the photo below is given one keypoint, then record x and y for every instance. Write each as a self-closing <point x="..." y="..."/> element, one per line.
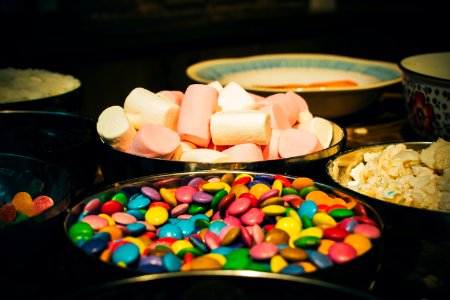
<point x="257" y="98"/>
<point x="270" y="151"/>
<point x="278" y="118"/>
<point x="114" y="128"/>
<point x="245" y="152"/>
<point x="321" y="128"/>
<point x="199" y="103"/>
<point x="183" y="147"/>
<point x="204" y="155"/>
<point x="288" y="105"/>
<point x="297" y="142"/>
<point x="154" y="140"/>
<point x="216" y="84"/>
<point x="172" y="96"/>
<point x="240" y="127"/>
<point x="304" y="113"/>
<point x="143" y="107"/>
<point x="234" y="97"/>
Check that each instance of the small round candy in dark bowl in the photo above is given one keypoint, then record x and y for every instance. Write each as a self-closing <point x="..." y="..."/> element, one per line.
<point x="65" y="139"/>
<point x="227" y="220"/>
<point x="426" y="82"/>
<point x="35" y="196"/>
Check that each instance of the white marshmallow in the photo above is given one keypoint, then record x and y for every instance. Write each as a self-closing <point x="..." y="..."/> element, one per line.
<point x="217" y="85"/>
<point x="114" y="128"/>
<point x="321" y="128"/>
<point x="183" y="147"/>
<point x="205" y="155"/>
<point x="239" y="127"/>
<point x="234" y="97"/>
<point x="143" y="107"/>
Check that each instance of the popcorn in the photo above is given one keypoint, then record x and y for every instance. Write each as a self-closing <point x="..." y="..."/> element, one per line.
<point x="405" y="176"/>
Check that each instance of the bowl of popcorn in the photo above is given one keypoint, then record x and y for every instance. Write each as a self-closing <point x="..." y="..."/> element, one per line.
<point x="34" y="198"/>
<point x="407" y="182"/>
<point x="210" y="126"/>
<point x="225" y="221"/>
<point x="426" y="82"/>
<point x="38" y="89"/>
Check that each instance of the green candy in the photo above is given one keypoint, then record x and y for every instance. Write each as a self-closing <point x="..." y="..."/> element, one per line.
<point x="202" y="223"/>
<point x="307" y="242"/>
<point x="237" y="259"/>
<point x="254" y="266"/>
<point x="288" y="191"/>
<point x="120" y="197"/>
<point x="305" y="191"/>
<point x="196" y="252"/>
<point x="80" y="231"/>
<point x="195" y="208"/>
<point x="217" y="198"/>
<point x="106" y="196"/>
<point x="307" y="222"/>
<point x="341" y="213"/>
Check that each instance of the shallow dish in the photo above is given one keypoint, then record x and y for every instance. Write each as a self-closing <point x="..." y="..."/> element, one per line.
<point x="39" y="89"/>
<point x="65" y="139"/>
<point x="89" y="238"/>
<point x="334" y="86"/>
<point x="402" y="219"/>
<point x="426" y="81"/>
<point x="117" y="165"/>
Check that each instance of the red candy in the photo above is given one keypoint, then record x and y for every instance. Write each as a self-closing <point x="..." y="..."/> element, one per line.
<point x="111" y="207"/>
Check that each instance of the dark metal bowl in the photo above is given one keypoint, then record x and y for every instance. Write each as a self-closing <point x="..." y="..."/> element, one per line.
<point x="117" y="165"/>
<point x="65" y="139"/>
<point x="357" y="273"/>
<point x="401" y="219"/>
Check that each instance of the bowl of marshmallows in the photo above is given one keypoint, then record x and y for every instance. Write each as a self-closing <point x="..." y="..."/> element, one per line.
<point x="210" y="126"/>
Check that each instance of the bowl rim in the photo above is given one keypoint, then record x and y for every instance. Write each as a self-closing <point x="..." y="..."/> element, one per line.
<point x="193" y="71"/>
<point x="403" y="65"/>
<point x="331" y="162"/>
<point x="221" y="165"/>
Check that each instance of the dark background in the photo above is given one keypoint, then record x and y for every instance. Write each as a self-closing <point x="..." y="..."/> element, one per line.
<point x="113" y="46"/>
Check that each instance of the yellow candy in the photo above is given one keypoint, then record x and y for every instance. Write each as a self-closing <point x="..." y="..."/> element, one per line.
<point x="358" y="241"/>
<point x="156" y="215"/>
<point x="293" y="214"/>
<point x="228" y="178"/>
<point x="289" y="224"/>
<point x="243" y="175"/>
<point x="108" y="218"/>
<point x="323" y="220"/>
<point x="312" y="231"/>
<point x="179" y="245"/>
<point x="239" y="189"/>
<point x="325" y="244"/>
<point x="293" y="237"/>
<point x="168" y="195"/>
<point x="213" y="187"/>
<point x="258" y="189"/>
<point x="307" y="266"/>
<point x="219" y="257"/>
<point x="277" y="185"/>
<point x="209" y="213"/>
<point x="277" y="263"/>
<point x="273" y="210"/>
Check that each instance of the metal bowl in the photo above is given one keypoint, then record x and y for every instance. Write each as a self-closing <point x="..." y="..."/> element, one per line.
<point x="117" y="165"/>
<point x="359" y="272"/>
<point x="65" y="139"/>
<point x="31" y="245"/>
<point x="401" y="219"/>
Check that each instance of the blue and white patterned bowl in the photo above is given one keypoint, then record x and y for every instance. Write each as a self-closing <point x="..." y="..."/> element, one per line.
<point x="333" y="86"/>
<point x="426" y="81"/>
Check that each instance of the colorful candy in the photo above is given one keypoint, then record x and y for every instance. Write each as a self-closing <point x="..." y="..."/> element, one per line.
<point x="22" y="207"/>
<point x="230" y="221"/>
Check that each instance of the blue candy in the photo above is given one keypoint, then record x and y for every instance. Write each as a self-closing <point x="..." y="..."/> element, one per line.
<point x="307" y="208"/>
<point x="171" y="262"/>
<point x="293" y="269"/>
<point x="187" y="227"/>
<point x="126" y="254"/>
<point x="139" y="202"/>
<point x="170" y="230"/>
<point x="95" y="246"/>
<point x="136" y="229"/>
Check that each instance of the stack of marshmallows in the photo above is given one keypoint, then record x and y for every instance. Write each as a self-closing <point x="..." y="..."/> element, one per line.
<point x="213" y="123"/>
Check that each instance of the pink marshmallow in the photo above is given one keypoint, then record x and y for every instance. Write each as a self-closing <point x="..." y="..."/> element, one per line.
<point x="172" y="96"/>
<point x="257" y="98"/>
<point x="288" y="105"/>
<point x="198" y="104"/>
<point x="297" y="142"/>
<point x="270" y="151"/>
<point x="278" y="118"/>
<point x="155" y="140"/>
<point x="245" y="152"/>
